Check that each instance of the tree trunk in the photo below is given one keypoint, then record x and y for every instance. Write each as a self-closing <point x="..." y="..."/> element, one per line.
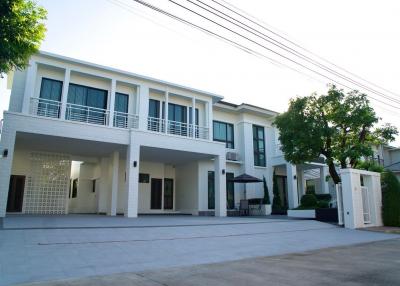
<point x="333" y="173"/>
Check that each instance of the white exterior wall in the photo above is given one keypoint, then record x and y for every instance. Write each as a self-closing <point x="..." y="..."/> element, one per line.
<point x="187" y="190"/>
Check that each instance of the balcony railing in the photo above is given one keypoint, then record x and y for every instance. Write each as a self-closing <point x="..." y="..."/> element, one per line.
<point x="125" y="120"/>
<point x="87" y="114"/>
<point x="177" y="128"/>
<point x="45" y="107"/>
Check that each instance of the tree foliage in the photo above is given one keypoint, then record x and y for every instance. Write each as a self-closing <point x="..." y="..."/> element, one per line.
<point x="266" y="199"/>
<point x="21" y="32"/>
<point x="339" y="126"/>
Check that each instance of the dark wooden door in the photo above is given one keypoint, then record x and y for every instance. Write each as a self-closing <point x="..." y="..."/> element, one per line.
<point x="156" y="193"/>
<point x="168" y="194"/>
<point x="15" y="193"/>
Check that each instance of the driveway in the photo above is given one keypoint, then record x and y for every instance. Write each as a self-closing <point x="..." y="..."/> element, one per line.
<point x="40" y="248"/>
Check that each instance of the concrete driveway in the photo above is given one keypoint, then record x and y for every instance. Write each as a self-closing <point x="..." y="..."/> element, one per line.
<point x="48" y="248"/>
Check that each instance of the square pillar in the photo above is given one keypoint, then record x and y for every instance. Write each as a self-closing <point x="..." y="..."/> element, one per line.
<point x="293" y="198"/>
<point x="324" y="171"/>
<point x="31" y="72"/>
<point x="210" y="119"/>
<point x="64" y="93"/>
<point x="132" y="179"/>
<point x="103" y="196"/>
<point x="7" y="143"/>
<point x="114" y="184"/>
<point x="220" y="185"/>
<point x="143" y="109"/>
<point x="193" y="117"/>
<point x="166" y="111"/>
<point x="301" y="183"/>
<point x="112" y="102"/>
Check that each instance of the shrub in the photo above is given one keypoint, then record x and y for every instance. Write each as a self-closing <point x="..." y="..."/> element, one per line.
<point x="323" y="204"/>
<point x="276" y="201"/>
<point x="308" y="201"/>
<point x="266" y="200"/>
<point x="323" y="197"/>
<point x="255" y="201"/>
<point x="390" y="199"/>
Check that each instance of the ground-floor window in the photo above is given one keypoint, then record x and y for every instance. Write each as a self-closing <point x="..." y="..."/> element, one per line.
<point x="211" y="190"/>
<point x="230" y="191"/>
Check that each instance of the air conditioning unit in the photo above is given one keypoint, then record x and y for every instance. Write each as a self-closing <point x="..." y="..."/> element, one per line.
<point x="232" y="156"/>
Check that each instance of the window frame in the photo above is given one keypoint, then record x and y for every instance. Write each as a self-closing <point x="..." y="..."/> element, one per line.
<point x="226" y="141"/>
<point x="53" y="80"/>
<point x="256" y="149"/>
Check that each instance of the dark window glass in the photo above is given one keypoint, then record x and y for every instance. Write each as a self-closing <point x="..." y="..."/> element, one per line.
<point x="144" y="178"/>
<point x="51" y="89"/>
<point x="223" y="132"/>
<point x="177" y="113"/>
<point x="230" y="191"/>
<point x="211" y="190"/>
<point x="121" y="102"/>
<point x="154" y="108"/>
<point x="87" y="96"/>
<point x="259" y="145"/>
<point x="75" y="188"/>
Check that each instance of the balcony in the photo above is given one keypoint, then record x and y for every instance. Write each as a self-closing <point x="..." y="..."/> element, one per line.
<point x="81" y="113"/>
<point x="177" y="128"/>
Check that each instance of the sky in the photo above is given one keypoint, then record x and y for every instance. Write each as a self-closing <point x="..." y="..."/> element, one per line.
<point x="360" y="35"/>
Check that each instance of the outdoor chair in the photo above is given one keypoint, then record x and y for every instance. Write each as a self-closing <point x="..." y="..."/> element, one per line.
<point x="256" y="207"/>
<point x="244" y="207"/>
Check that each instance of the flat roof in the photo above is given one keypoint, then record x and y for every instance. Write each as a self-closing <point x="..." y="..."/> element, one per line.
<point x="215" y="97"/>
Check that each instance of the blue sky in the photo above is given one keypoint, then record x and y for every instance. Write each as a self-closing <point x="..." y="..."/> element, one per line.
<point x="362" y="36"/>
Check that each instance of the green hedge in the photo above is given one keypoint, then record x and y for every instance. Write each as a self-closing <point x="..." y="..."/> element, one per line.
<point x="390" y="199"/>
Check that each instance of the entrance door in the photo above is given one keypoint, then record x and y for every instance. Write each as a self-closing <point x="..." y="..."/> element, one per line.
<point x="156" y="192"/>
<point x="168" y="194"/>
<point x="15" y="193"/>
<point x="230" y="191"/>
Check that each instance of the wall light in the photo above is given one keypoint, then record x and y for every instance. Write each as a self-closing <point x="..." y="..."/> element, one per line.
<point x="5" y="153"/>
<point x="294" y="177"/>
<point x="223" y="171"/>
<point x="134" y="164"/>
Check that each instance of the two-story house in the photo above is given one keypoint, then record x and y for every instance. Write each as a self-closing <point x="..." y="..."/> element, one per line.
<point x="84" y="138"/>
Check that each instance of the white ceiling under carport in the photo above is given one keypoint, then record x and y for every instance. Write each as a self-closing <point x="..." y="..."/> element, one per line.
<point x="63" y="145"/>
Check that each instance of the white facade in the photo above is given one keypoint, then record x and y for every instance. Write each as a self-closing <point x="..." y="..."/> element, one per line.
<point x="171" y="153"/>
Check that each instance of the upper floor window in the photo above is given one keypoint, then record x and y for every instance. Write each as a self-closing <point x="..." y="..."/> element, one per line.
<point x="87" y="96"/>
<point x="154" y="108"/>
<point x="177" y="113"/>
<point x="196" y="116"/>
<point x="223" y="132"/>
<point x="259" y="145"/>
<point x="51" y="89"/>
<point x="121" y="102"/>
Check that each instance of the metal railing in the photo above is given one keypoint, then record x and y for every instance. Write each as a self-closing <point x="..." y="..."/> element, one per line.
<point x="125" y="120"/>
<point x="45" y="107"/>
<point x="86" y="114"/>
<point x="177" y="128"/>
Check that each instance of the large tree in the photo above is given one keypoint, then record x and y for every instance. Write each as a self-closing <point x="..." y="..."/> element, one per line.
<point x="21" y="32"/>
<point x="341" y="127"/>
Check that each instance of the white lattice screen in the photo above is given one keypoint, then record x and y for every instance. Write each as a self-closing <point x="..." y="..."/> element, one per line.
<point x="48" y="183"/>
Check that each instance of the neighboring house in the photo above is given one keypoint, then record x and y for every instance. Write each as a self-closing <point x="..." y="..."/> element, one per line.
<point x="84" y="138"/>
<point x="391" y="159"/>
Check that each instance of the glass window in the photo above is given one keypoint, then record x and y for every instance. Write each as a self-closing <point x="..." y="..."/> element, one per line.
<point x="154" y="108"/>
<point x="51" y="89"/>
<point x="196" y="115"/>
<point x="211" y="190"/>
<point x="259" y="145"/>
<point x="177" y="113"/>
<point x="230" y="191"/>
<point x="87" y="96"/>
<point x="223" y="132"/>
<point x="121" y="102"/>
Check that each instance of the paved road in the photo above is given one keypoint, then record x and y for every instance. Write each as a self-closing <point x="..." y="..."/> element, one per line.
<point x="375" y="263"/>
<point x="28" y="255"/>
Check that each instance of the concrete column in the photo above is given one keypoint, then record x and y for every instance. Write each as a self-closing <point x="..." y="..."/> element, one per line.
<point x="352" y="206"/>
<point x="143" y="106"/>
<point x="132" y="179"/>
<point x="29" y="86"/>
<point x="112" y="102"/>
<point x="246" y="147"/>
<point x="193" y="117"/>
<point x="7" y="143"/>
<point x="64" y="94"/>
<point x="220" y="185"/>
<point x="103" y="196"/>
<point x="301" y="183"/>
<point x="114" y="184"/>
<point x="324" y="171"/>
<point x="166" y="111"/>
<point x="209" y="117"/>
<point x="293" y="198"/>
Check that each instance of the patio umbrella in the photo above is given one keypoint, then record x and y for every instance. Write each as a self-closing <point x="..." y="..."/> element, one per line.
<point x="245" y="178"/>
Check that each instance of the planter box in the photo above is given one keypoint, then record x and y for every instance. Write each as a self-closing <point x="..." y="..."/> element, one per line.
<point x="327" y="215"/>
<point x="266" y="209"/>
<point x="302" y="214"/>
